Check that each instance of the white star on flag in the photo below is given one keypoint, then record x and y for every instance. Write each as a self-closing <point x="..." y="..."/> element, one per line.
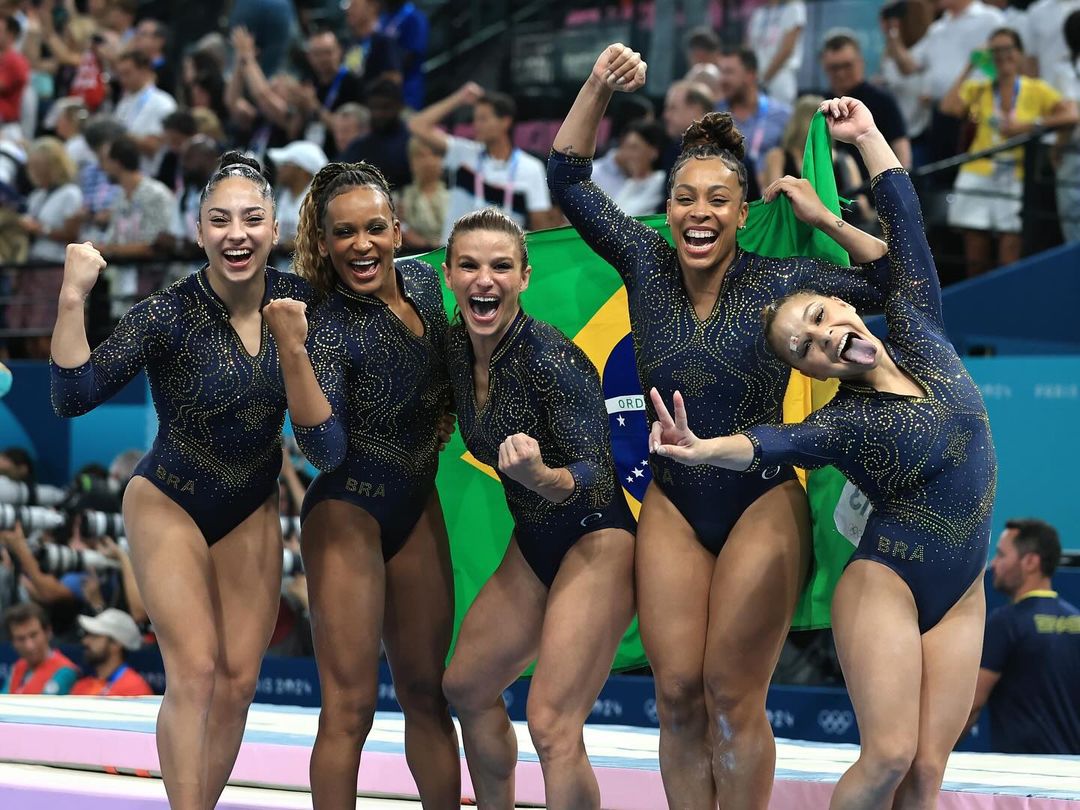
<point x="639" y="473"/>
<point x="622" y="421"/>
<point x="629" y="479"/>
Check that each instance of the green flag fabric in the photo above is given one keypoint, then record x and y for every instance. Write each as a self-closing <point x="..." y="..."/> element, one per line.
<point x="579" y="293"/>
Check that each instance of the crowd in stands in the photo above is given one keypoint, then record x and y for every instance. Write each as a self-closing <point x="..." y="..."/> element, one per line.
<point x="109" y="124"/>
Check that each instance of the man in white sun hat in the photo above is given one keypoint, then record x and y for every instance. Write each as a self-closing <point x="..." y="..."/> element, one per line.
<point x="108" y="635"/>
<point x="296" y="165"/>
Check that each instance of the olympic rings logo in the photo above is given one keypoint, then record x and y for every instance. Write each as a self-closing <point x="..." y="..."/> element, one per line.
<point x="835" y="721"/>
<point x="769" y="473"/>
<point x="591" y="518"/>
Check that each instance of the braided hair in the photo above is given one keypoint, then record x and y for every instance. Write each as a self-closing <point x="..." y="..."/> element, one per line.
<point x="714" y="136"/>
<point x="332" y="180"/>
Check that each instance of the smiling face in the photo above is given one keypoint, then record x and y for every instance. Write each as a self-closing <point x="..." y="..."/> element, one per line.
<point x="237" y="229"/>
<point x="705" y="210"/>
<point x="823" y="337"/>
<point x="359" y="236"/>
<point x="1006" y="55"/>
<point x="487" y="276"/>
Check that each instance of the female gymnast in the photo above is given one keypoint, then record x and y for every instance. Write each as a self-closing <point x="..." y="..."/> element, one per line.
<point x="720" y="557"/>
<point x="909" y="428"/>
<point x="366" y="410"/>
<point x="201" y="510"/>
<point x="529" y="404"/>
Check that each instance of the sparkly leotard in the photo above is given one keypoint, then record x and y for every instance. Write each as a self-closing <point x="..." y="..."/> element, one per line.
<point x="927" y="464"/>
<point x="387" y="389"/>
<point x="544" y="386"/>
<point x="220" y="410"/>
<point x="721" y="364"/>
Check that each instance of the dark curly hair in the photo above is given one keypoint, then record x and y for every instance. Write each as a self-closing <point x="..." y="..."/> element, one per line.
<point x="332" y="180"/>
<point x="714" y="136"/>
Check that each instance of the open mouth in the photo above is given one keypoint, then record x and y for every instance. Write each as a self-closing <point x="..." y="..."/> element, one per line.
<point x="364" y="269"/>
<point x="238" y="258"/>
<point x="855" y="349"/>
<point x="483" y="308"/>
<point x="699" y="241"/>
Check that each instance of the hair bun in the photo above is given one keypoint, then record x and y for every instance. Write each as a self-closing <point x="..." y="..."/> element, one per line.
<point x="715" y="129"/>
<point x="236" y="158"/>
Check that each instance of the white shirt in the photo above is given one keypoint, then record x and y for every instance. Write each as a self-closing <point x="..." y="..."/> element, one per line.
<point x="142" y="113"/>
<point x="288" y="212"/>
<point x="52" y="208"/>
<point x="765" y="32"/>
<point x="945" y="50"/>
<point x="1046" y="36"/>
<point x="80" y="152"/>
<point x="635" y="197"/>
<point x="908" y="91"/>
<point x="520" y="181"/>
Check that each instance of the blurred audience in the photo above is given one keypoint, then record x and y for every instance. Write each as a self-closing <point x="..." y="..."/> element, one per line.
<point x="631" y="173"/>
<point x="297" y="164"/>
<point x="107" y="636"/>
<point x="988" y="191"/>
<point x="423" y="203"/>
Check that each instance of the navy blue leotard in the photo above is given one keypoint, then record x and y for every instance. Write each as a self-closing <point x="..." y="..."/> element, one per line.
<point x="387" y="389"/>
<point x="927" y="464"/>
<point x="544" y="386"/>
<point x="730" y="378"/>
<point x="218" y="449"/>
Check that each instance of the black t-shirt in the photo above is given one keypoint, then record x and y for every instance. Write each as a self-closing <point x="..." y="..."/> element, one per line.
<point x="389" y="150"/>
<point x="882" y="105"/>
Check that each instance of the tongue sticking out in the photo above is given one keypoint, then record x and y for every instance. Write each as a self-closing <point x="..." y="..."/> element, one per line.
<point x="859" y="351"/>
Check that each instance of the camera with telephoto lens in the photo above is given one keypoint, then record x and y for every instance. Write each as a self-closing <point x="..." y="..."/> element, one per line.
<point x="59" y="560"/>
<point x="102" y="524"/>
<point x="32" y="518"/>
<point x="19" y="493"/>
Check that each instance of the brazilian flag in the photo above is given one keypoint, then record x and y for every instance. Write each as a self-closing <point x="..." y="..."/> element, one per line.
<point x="583" y="296"/>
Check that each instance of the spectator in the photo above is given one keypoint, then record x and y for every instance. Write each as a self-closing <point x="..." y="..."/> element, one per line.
<point x="334" y="85"/>
<point x="272" y="24"/>
<point x="908" y="20"/>
<point x="703" y="47"/>
<point x="40" y="670"/>
<point x="630" y="174"/>
<point x="53" y="215"/>
<point x="1045" y="25"/>
<point x="80" y="47"/>
<point x="423" y="203"/>
<point x="99" y="192"/>
<point x="407" y="26"/>
<point x="272" y="117"/>
<point x="108" y="635"/>
<point x="1066" y="153"/>
<point x="845" y="69"/>
<point x="349" y="123"/>
<point x="66" y="118"/>
<point x="296" y="165"/>
<point x="1031" y="649"/>
<point x="178" y="129"/>
<point x="17" y="463"/>
<point x="988" y="190"/>
<point x="774" y="34"/>
<point x="209" y="124"/>
<point x="152" y="39"/>
<point x="145" y="209"/>
<point x="707" y="74"/>
<point x="684" y="103"/>
<point x="207" y="92"/>
<point x="370" y="54"/>
<point x="489" y="171"/>
<point x="197" y="164"/>
<point x="142" y="108"/>
<point x="120" y="20"/>
<point x="760" y="117"/>
<point x="14" y="73"/>
<point x="387" y="145"/>
<point x="941" y="56"/>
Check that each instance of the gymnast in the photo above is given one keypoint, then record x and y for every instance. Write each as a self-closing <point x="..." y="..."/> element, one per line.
<point x="529" y="403"/>
<point x="201" y="509"/>
<point x="909" y="428"/>
<point x="721" y="558"/>
<point x="366" y="410"/>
